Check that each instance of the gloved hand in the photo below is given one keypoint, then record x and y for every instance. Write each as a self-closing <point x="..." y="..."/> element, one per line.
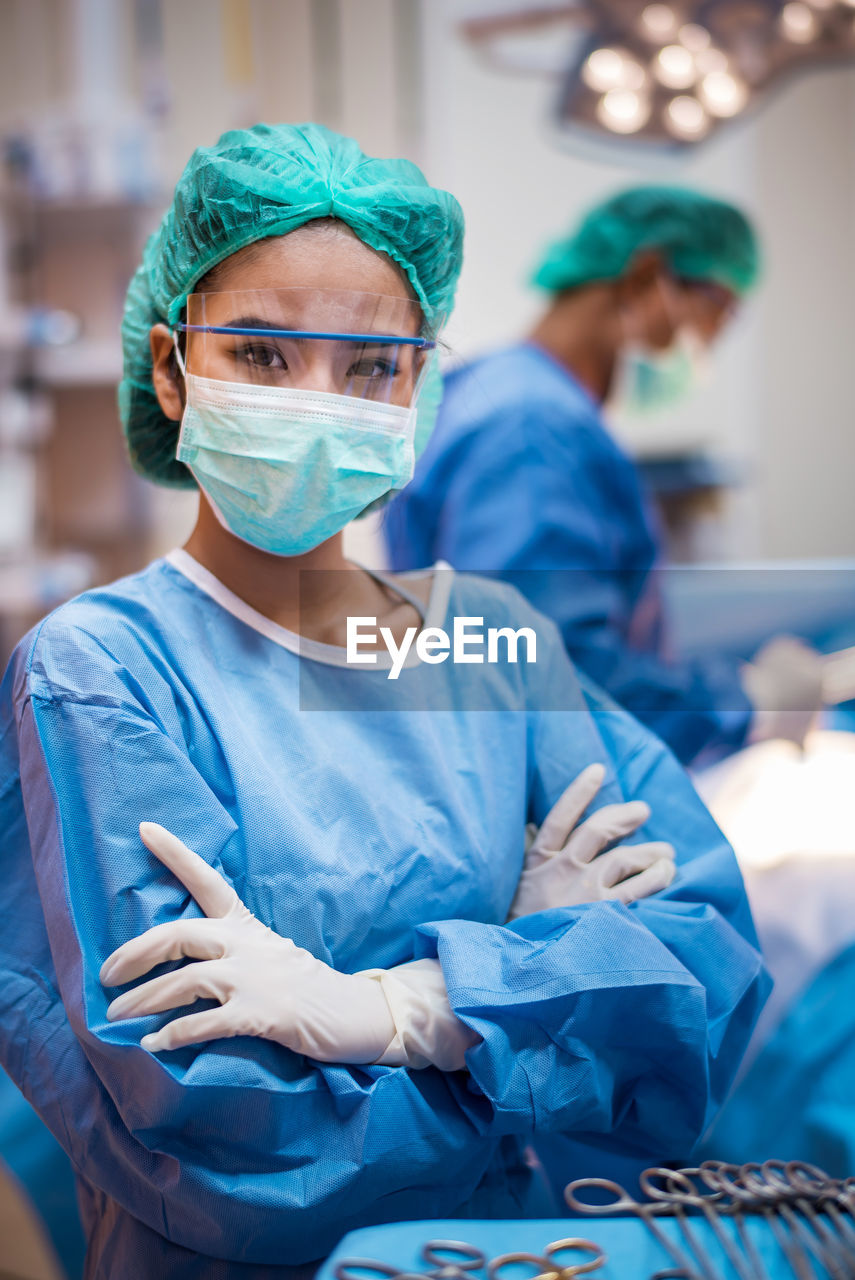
<point x="267" y="986"/>
<point x="427" y="1030"/>
<point x="784" y="683"/>
<point x="569" y="864"/>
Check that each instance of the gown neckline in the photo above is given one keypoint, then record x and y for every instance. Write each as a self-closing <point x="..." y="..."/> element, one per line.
<point x="432" y="614"/>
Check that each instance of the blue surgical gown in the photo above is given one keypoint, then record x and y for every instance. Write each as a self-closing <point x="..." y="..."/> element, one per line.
<point x="371" y="828"/>
<point x="522" y="479"/>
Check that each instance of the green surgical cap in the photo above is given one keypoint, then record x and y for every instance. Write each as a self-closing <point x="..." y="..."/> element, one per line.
<point x="260" y="182"/>
<point x="698" y="237"/>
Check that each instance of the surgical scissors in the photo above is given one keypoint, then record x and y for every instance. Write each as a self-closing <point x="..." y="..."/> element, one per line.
<point x="733" y="1180"/>
<point x="756" y="1179"/>
<point x="829" y="1193"/>
<point x="366" y="1268"/>
<point x="511" y="1259"/>
<point x="624" y="1203"/>
<point x="554" y="1270"/>
<point x="580" y="1246"/>
<point x="680" y="1191"/>
<point x="457" y="1260"/>
<point x="838" y="1257"/>
<point x="475" y="1259"/>
<point x="712" y="1177"/>
<point x="469" y="1259"/>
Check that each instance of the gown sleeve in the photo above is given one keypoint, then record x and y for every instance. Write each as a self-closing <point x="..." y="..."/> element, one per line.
<point x="615" y="1024"/>
<point x="552" y="507"/>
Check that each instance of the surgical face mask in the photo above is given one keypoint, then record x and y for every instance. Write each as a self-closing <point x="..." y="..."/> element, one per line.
<point x="284" y="463"/>
<point x="286" y="468"/>
<point x="648" y="380"/>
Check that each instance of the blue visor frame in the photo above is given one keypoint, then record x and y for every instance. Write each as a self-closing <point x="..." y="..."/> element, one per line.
<point x="364" y="339"/>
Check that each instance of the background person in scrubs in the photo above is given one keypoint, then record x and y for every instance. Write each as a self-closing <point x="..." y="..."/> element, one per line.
<point x="522" y="476"/>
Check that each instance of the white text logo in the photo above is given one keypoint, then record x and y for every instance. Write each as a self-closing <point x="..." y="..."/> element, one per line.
<point x="467" y="643"/>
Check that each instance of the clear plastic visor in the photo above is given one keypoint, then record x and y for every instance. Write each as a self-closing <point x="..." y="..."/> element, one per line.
<point x="365" y="345"/>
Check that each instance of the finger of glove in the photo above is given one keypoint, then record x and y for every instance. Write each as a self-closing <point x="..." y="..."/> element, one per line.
<point x="173" y="940"/>
<point x="210" y="1024"/>
<point x="629" y="859"/>
<point x="568" y="809"/>
<point x="653" y="880"/>
<point x="201" y="981"/>
<point x="214" y="895"/>
<point x="611" y="823"/>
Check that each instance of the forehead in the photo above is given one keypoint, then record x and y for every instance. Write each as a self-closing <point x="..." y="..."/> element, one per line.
<point x="312" y="258"/>
<point x="312" y="311"/>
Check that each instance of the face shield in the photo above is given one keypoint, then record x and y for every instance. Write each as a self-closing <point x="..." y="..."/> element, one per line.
<point x="367" y="346"/>
<point x="301" y="407"/>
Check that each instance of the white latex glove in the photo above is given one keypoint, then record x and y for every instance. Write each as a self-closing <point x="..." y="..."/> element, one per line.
<point x="267" y="986"/>
<point x="427" y="1030"/>
<point x="784" y="683"/>
<point x="569" y="864"/>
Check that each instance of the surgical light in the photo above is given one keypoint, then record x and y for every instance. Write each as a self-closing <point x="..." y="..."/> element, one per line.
<point x="694" y="37"/>
<point x="675" y="67"/>
<point x="607" y="69"/>
<point x="723" y="94"/>
<point x="711" y="59"/>
<point x="669" y="74"/>
<point x="658" y="22"/>
<point x="799" y="23"/>
<point x="686" y="118"/>
<point x="623" y="110"/>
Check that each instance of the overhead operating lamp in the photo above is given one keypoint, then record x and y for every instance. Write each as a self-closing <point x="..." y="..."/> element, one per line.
<point x="667" y="75"/>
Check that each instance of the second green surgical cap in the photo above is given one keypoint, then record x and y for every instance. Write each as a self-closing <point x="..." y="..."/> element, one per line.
<point x="260" y="182"/>
<point x="699" y="237"/>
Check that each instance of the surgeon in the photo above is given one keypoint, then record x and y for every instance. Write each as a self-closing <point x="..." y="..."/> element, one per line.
<point x="275" y="962"/>
<point x="524" y="479"/>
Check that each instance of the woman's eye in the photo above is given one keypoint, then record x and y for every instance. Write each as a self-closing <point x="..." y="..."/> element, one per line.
<point x="373" y="368"/>
<point x="261" y="355"/>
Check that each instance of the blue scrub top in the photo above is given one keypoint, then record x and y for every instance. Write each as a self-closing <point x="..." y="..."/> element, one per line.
<point x="521" y="479"/>
<point x="353" y="817"/>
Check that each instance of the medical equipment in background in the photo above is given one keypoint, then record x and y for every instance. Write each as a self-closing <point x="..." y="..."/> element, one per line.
<point x="665" y="75"/>
<point x="70" y="512"/>
<point x="768" y="1221"/>
<point x="80" y="183"/>
<point x="777" y="798"/>
<point x="32" y="581"/>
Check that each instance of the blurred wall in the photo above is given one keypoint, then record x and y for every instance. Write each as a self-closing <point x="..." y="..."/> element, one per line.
<point x="804" y="178"/>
